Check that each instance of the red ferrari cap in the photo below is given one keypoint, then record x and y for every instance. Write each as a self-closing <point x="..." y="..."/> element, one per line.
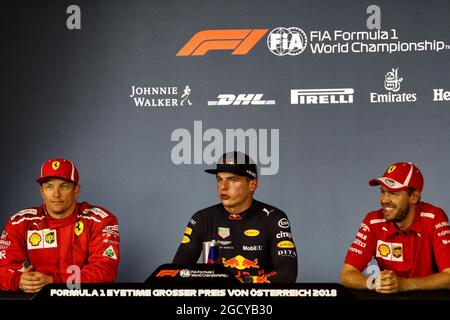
<point x="400" y="176"/>
<point x="58" y="168"/>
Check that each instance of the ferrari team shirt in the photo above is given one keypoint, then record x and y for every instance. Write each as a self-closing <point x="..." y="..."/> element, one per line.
<point x="418" y="252"/>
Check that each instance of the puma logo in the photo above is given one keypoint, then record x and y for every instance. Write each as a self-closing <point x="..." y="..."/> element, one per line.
<point x="267" y="211"/>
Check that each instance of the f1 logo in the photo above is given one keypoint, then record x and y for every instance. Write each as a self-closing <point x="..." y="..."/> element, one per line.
<point x="241" y="41"/>
<point x="167" y="273"/>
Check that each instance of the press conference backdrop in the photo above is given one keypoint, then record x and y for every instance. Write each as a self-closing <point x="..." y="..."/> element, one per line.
<point x="144" y="95"/>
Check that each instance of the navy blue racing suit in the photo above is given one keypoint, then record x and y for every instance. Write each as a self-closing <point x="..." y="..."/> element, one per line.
<point x="256" y="244"/>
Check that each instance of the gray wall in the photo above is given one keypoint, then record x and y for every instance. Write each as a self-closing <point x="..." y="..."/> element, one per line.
<point x="66" y="93"/>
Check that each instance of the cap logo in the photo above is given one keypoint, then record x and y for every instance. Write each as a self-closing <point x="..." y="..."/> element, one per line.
<point x="55" y="165"/>
<point x="229" y="162"/>
<point x="389" y="182"/>
<point x="251" y="173"/>
<point x="391" y="169"/>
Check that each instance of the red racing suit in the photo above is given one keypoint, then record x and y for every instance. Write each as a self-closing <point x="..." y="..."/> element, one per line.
<point x="88" y="238"/>
<point x="420" y="251"/>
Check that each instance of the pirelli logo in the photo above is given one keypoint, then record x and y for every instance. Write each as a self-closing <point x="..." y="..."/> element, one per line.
<point x="241" y="41"/>
<point x="322" y="96"/>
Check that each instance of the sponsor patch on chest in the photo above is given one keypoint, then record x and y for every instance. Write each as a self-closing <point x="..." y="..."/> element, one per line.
<point x="252" y="232"/>
<point x="390" y="251"/>
<point x="42" y="239"/>
<point x="223" y="232"/>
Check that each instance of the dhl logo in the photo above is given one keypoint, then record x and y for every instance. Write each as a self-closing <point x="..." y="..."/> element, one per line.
<point x="167" y="273"/>
<point x="241" y="41"/>
<point x="239" y="262"/>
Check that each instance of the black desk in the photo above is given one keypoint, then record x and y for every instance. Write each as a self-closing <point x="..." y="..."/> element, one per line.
<point x="16" y="296"/>
<point x="432" y="295"/>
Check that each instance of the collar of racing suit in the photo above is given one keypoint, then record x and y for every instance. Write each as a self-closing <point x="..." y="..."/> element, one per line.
<point x="241" y="215"/>
<point x="415" y="225"/>
<point x="57" y="223"/>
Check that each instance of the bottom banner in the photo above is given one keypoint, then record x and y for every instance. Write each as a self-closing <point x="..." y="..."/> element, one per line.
<point x="211" y="292"/>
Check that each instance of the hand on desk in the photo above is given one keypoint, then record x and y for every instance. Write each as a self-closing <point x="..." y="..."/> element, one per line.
<point x="389" y="282"/>
<point x="33" y="281"/>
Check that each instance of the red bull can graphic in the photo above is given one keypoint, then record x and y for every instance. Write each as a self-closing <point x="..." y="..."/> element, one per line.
<point x="211" y="252"/>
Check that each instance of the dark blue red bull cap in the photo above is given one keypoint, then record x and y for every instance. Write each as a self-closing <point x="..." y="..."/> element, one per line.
<point x="236" y="162"/>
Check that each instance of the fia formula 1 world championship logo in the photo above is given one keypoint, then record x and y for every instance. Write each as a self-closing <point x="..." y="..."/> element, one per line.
<point x="281" y="41"/>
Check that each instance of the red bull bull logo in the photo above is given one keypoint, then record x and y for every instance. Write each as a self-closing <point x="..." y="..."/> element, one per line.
<point x="241" y="263"/>
<point x="234" y="216"/>
<point x="260" y="279"/>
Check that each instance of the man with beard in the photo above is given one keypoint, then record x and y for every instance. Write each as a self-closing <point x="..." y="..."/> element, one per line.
<point x="410" y="239"/>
